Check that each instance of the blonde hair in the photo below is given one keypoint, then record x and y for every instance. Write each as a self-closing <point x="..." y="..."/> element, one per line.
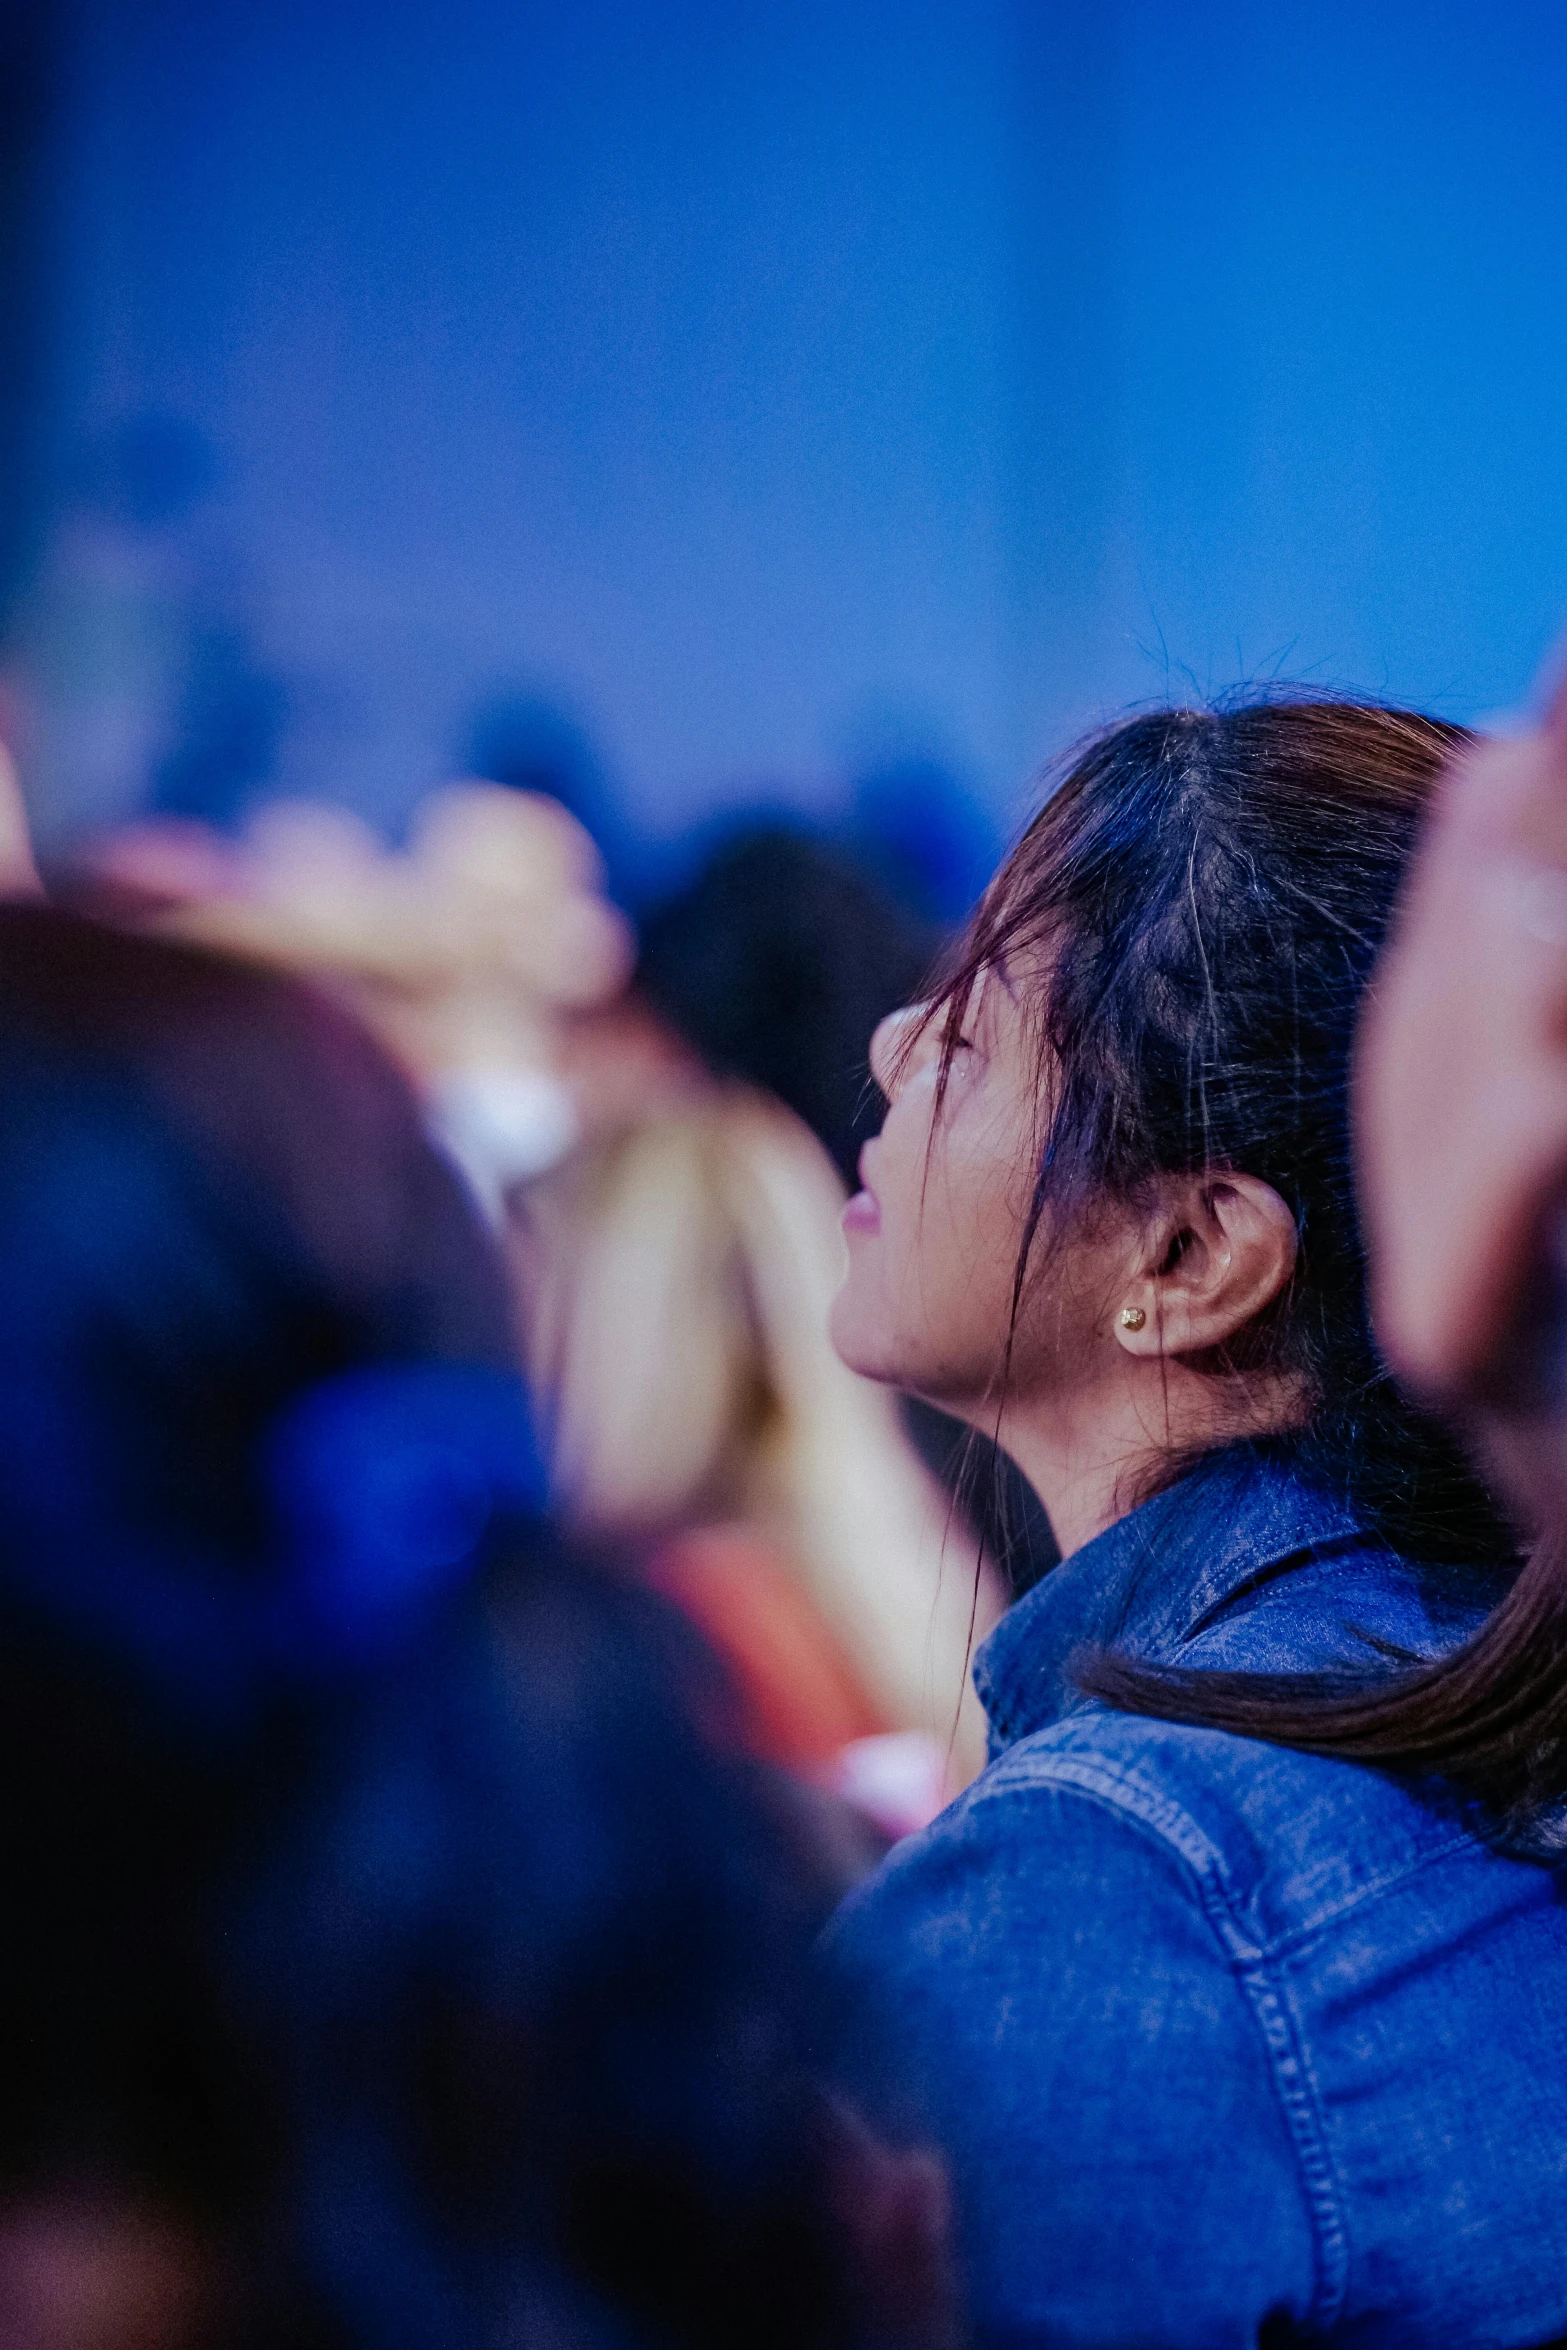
<point x="680" y="1280"/>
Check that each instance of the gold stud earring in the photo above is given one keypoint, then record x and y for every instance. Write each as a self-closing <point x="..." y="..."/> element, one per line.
<point x="1132" y="1317"/>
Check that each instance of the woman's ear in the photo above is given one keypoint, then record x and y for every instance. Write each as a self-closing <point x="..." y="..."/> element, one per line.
<point x="1217" y="1251"/>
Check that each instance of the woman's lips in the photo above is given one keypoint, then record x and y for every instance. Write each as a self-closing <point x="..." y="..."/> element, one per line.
<point x="862" y="1213"/>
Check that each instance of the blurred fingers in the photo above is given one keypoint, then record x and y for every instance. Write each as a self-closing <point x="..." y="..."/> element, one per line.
<point x="18" y="873"/>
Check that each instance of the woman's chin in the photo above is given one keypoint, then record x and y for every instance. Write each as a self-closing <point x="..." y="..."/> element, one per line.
<point x="860" y="1336"/>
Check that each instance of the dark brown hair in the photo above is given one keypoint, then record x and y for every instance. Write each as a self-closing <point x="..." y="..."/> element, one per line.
<point x="1192" y="917"/>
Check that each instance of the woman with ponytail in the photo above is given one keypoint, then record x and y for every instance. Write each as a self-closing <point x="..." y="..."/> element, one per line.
<point x="1237" y="1984"/>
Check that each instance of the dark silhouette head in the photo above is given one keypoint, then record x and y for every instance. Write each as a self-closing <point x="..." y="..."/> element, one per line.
<point x="775" y="963"/>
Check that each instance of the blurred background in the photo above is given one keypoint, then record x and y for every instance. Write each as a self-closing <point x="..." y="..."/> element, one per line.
<point x="824" y="408"/>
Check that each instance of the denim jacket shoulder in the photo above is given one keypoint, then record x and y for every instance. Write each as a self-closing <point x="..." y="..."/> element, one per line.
<point x="1216" y="2032"/>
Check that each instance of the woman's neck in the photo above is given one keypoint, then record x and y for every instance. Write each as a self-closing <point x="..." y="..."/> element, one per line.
<point x="1092" y="1457"/>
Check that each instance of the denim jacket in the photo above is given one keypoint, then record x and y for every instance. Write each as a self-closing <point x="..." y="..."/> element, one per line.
<point x="1227" y="2044"/>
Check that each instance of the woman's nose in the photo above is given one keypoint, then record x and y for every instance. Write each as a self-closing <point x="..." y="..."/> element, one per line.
<point x="895" y="1045"/>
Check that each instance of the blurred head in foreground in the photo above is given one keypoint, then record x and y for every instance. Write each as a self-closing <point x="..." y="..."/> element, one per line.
<point x="394" y="1956"/>
<point x="1463" y="1109"/>
<point x="1462" y="1102"/>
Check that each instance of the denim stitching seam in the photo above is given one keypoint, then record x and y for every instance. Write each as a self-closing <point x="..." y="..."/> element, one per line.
<point x="1277" y="2022"/>
<point x="1372" y="1889"/>
<point x="1022" y="1771"/>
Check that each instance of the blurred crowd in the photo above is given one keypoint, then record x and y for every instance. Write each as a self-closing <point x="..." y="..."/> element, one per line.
<point x="465" y="1628"/>
<point x="662" y="1131"/>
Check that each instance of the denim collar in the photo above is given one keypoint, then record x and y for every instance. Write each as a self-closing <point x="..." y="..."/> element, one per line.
<point x="1157" y="1577"/>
